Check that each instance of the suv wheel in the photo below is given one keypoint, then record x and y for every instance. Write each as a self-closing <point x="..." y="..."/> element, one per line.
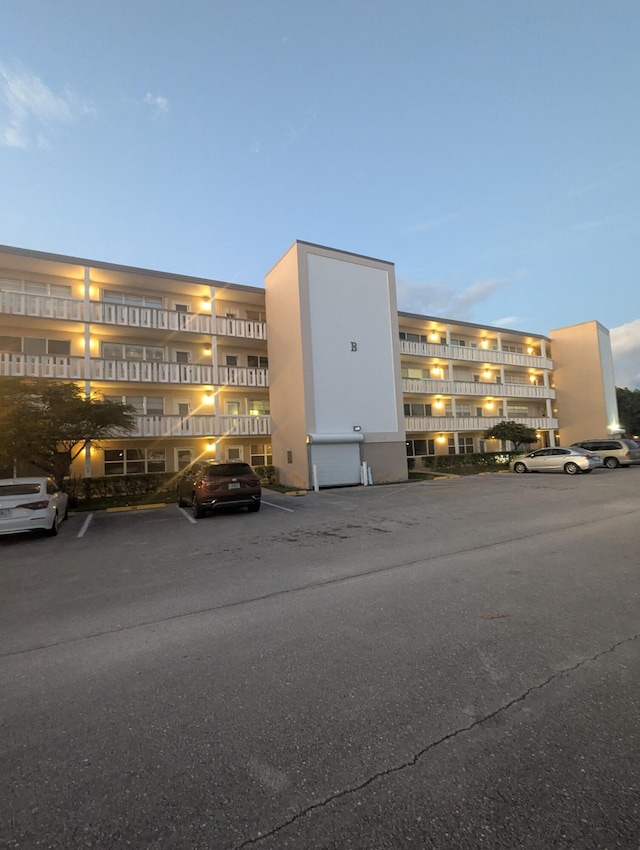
<point x="196" y="507"/>
<point x="611" y="462"/>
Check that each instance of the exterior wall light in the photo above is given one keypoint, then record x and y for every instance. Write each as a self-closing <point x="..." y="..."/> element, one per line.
<point x="357" y="428"/>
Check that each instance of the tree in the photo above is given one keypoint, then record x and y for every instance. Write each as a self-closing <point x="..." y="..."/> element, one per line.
<point x="629" y="410"/>
<point x="46" y="424"/>
<point x="514" y="432"/>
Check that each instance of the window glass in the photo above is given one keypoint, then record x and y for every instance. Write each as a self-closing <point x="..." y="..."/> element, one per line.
<point x="259" y="407"/>
<point x="11" y="343"/>
<point x="261" y="455"/>
<point x="232" y="408"/>
<point x="59" y="346"/>
<point x="34" y="346"/>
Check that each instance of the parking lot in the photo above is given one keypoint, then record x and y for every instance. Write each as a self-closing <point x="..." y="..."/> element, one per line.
<point x="433" y="664"/>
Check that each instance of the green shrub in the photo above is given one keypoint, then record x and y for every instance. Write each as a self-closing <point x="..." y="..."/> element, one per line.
<point x="134" y="486"/>
<point x="267" y="474"/>
<point x="477" y="460"/>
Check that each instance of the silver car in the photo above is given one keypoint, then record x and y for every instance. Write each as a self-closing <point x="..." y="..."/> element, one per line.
<point x="557" y="459"/>
<point x="27" y="504"/>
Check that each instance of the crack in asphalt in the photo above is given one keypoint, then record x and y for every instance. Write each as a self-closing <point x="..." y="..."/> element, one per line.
<point x="382" y="774"/>
<point x="312" y="585"/>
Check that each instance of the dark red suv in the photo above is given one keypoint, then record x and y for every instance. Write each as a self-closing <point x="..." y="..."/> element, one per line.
<point x="207" y="485"/>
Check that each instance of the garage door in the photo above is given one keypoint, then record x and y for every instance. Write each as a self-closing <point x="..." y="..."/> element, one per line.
<point x="337" y="463"/>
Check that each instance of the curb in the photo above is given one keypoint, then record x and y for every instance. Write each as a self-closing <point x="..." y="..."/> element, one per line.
<point x="135" y="508"/>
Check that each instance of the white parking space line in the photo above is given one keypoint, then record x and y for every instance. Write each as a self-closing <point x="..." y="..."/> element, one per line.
<point x="188" y="516"/>
<point x="271" y="505"/>
<point x="85" y="525"/>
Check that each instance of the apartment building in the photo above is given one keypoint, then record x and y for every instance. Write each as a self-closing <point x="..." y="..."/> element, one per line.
<point x="316" y="373"/>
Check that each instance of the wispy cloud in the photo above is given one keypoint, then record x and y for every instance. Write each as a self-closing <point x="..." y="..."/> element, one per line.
<point x="158" y="103"/>
<point x="433" y="223"/>
<point x="439" y="299"/>
<point x="30" y="110"/>
<point x="625" y="347"/>
<point x="507" y="322"/>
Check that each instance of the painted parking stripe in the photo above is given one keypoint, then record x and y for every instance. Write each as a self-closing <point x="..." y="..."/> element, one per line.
<point x="271" y="505"/>
<point x="188" y="516"/>
<point x="85" y="525"/>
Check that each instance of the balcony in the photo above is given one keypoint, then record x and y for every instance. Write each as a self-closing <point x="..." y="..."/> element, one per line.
<point x="477" y="389"/>
<point x="41" y="306"/>
<point x="73" y="369"/>
<point x="241" y="327"/>
<point x="440" y="424"/>
<point x="473" y="355"/>
<point x="239" y="376"/>
<point x="124" y="315"/>
<point x="202" y="426"/>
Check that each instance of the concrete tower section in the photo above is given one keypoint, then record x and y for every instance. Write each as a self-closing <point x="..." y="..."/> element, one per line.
<point x="334" y="365"/>
<point x="585" y="382"/>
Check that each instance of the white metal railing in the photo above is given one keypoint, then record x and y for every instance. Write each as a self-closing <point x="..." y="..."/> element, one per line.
<point x="150" y="372"/>
<point x="41" y="306"/>
<point x="244" y="426"/>
<point x="240" y="376"/>
<point x="473" y="423"/>
<point x="479" y="389"/>
<point x="201" y="426"/>
<point x="102" y="312"/>
<point x="41" y="366"/>
<point x="228" y="326"/>
<point x="476" y="355"/>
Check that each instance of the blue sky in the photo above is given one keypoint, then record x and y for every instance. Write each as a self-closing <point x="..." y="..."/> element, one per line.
<point x="489" y="148"/>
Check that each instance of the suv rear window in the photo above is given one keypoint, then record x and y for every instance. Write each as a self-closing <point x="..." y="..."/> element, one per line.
<point x="219" y="470"/>
<point x="631" y="444"/>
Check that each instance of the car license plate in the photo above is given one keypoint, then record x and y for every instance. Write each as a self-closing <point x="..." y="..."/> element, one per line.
<point x="5" y="512"/>
<point x="234" y="485"/>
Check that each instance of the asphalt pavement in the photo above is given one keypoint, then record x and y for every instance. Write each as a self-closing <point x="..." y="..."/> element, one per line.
<point x="432" y="665"/>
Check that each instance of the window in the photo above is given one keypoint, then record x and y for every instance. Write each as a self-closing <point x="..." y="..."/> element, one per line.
<point x="234" y="452"/>
<point x="181" y="308"/>
<point x="133" y="299"/>
<point x="35" y="345"/>
<point x="465" y="445"/>
<point x="417" y="410"/>
<point x="184" y="458"/>
<point x="59" y="346"/>
<point x="31" y="287"/>
<point x="142" y="404"/>
<point x="418" y="448"/>
<point x="232" y="408"/>
<point x="420" y="374"/>
<point x="125" y="351"/>
<point x="183" y="356"/>
<point x="261" y="455"/>
<point x="517" y="410"/>
<point x="514" y="349"/>
<point x="131" y="461"/>
<point x="255" y="316"/>
<point x="411" y="337"/>
<point x="259" y="407"/>
<point x="231" y="360"/>
<point x="258" y="362"/>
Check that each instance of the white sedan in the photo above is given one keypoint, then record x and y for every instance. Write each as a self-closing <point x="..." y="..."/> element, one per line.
<point x="557" y="459"/>
<point x="31" y="503"/>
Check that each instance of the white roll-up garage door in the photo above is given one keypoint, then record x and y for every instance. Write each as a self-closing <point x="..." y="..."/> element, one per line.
<point x="336" y="458"/>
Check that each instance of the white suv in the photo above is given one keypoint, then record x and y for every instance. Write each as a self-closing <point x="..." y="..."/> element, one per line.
<point x="619" y="452"/>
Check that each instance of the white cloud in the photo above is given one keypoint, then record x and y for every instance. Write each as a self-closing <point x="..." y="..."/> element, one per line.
<point x="625" y="347"/>
<point x="158" y="103"/>
<point x="29" y="110"/>
<point x="507" y="322"/>
<point x="439" y="299"/>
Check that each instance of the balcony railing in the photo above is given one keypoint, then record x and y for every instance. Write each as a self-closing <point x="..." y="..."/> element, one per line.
<point x="239" y="376"/>
<point x="423" y="424"/>
<point x="73" y="369"/>
<point x="41" y="306"/>
<point x="201" y="426"/>
<point x="478" y="389"/>
<point x="241" y="327"/>
<point x="149" y="317"/>
<point x="475" y="355"/>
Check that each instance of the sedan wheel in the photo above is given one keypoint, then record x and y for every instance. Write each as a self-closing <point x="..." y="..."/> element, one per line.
<point x="571" y="468"/>
<point x="519" y="467"/>
<point x="51" y="532"/>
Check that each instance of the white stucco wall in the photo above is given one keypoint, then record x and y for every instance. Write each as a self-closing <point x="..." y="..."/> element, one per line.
<point x="350" y="316"/>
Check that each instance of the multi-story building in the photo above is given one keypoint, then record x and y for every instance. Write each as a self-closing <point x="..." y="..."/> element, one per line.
<point x="331" y="376"/>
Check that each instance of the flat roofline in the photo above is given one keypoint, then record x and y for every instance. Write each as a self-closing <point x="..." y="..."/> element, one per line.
<point x="450" y="321"/>
<point x="116" y="267"/>
<point x="332" y="250"/>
